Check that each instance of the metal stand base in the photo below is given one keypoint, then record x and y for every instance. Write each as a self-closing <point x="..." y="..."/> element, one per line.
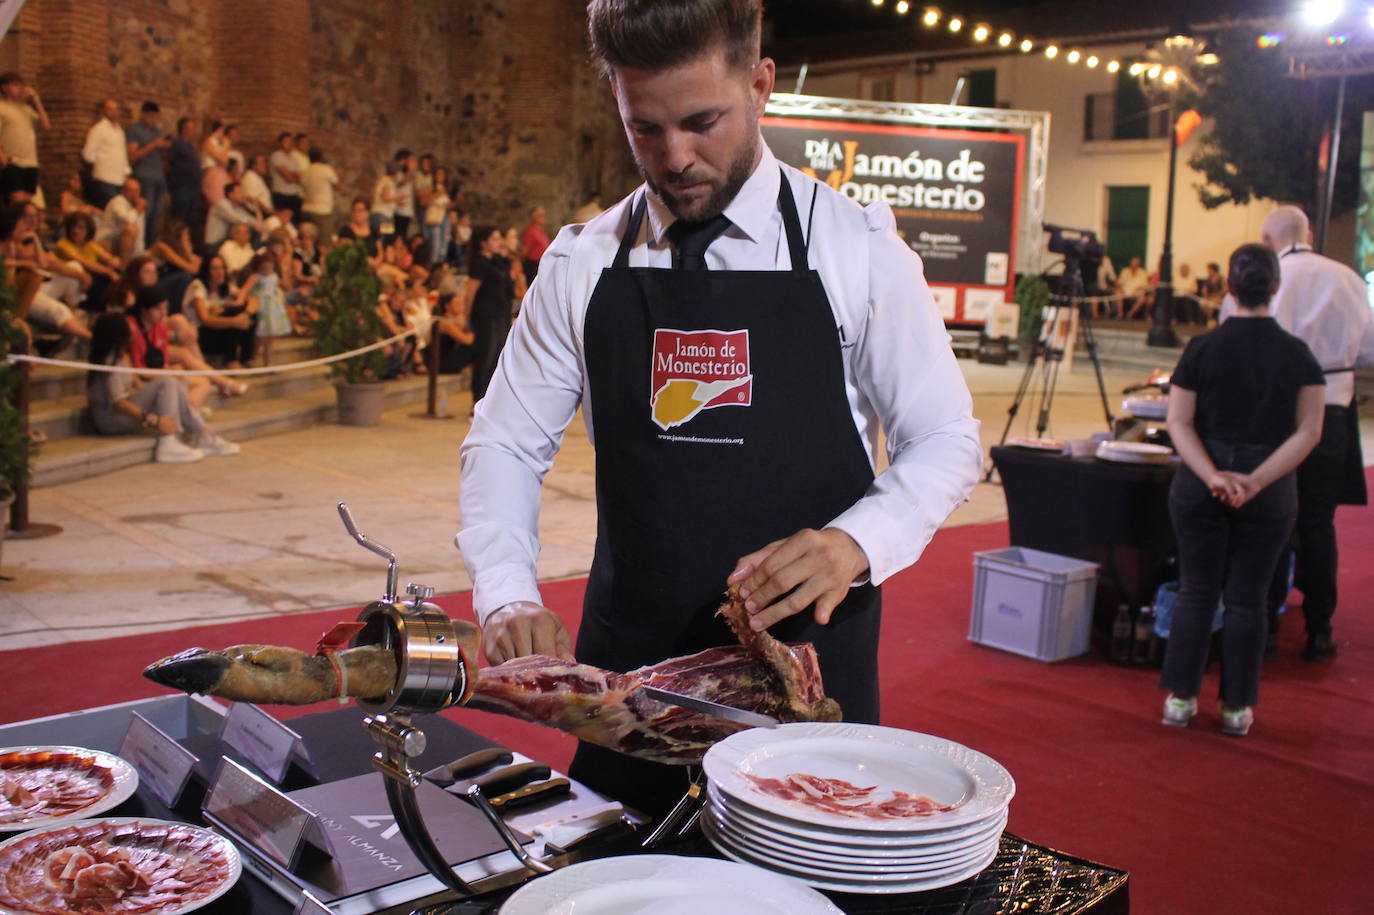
<point x="33" y="531"/>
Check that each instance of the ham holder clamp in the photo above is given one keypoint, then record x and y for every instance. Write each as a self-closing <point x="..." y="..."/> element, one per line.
<point x="431" y="674"/>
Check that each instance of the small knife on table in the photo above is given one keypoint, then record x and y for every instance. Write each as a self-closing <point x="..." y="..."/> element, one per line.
<point x="707" y="707"/>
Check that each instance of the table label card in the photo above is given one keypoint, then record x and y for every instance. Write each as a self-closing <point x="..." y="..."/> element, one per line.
<point x="263" y="740"/>
<point x="257" y="812"/>
<point x="162" y="764"/>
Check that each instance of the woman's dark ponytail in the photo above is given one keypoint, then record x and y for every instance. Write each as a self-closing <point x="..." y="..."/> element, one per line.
<point x="1253" y="275"/>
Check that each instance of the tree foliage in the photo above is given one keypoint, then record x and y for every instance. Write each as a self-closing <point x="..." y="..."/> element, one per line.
<point x="1268" y="127"/>
<point x="17" y="449"/>
<point x="347" y="309"/>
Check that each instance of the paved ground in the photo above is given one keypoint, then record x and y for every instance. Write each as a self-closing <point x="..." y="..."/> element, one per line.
<point x="162" y="546"/>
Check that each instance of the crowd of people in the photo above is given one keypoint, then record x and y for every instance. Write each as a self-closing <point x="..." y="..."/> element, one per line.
<point x="209" y="253"/>
<point x="1196" y="299"/>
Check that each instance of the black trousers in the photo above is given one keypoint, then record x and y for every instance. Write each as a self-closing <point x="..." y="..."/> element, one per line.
<point x="1320" y="478"/>
<point x="1229" y="554"/>
<point x="490" y="328"/>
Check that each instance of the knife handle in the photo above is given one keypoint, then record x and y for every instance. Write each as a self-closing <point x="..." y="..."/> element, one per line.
<point x="446" y="775"/>
<point x="532" y="794"/>
<point x="511" y="777"/>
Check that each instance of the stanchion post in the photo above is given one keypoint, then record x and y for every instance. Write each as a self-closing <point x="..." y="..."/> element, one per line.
<point x="432" y="406"/>
<point x="20" y="526"/>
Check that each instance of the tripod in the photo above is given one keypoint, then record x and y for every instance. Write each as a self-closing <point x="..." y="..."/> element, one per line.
<point x="1049" y="357"/>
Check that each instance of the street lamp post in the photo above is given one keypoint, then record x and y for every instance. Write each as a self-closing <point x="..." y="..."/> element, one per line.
<point x="1162" y="331"/>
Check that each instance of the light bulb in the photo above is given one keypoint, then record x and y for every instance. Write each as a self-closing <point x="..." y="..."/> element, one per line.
<point x="1052" y="51"/>
<point x="956" y="24"/>
<point x="903" y="7"/>
<point x="1004" y="39"/>
<point x="1091" y="61"/>
<point x="1073" y="56"/>
<point x="931" y="17"/>
<point x="1113" y="66"/>
<point x="1027" y="46"/>
<point x="981" y="33"/>
<point x="1155" y="71"/>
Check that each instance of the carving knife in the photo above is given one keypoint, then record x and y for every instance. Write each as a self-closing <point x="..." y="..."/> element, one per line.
<point x="469" y="765"/>
<point x="707" y="707"/>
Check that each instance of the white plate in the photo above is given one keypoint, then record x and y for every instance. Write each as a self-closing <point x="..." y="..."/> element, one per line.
<point x="845" y="867"/>
<point x="930" y="882"/>
<point x="1146" y="406"/>
<point x="665" y="885"/>
<point x="125" y="784"/>
<point x="975" y="785"/>
<point x="866" y="842"/>
<point x="231" y="854"/>
<point x="1038" y="444"/>
<point x="813" y="849"/>
<point x="1134" y="453"/>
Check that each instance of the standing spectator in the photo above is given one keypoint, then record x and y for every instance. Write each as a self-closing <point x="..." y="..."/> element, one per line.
<point x="228" y="212"/>
<point x="255" y="192"/>
<point x="300" y="157"/>
<point x="436" y="224"/>
<point x="147" y="143"/>
<point x="318" y="183"/>
<point x="122" y="227"/>
<point x="107" y="152"/>
<point x="268" y="302"/>
<point x="214" y="159"/>
<point x="460" y="225"/>
<point x="405" y="191"/>
<point x="184" y="174"/>
<point x="424" y="182"/>
<point x="20" y="109"/>
<point x="1245" y="408"/>
<point x="535" y="242"/>
<point x="234" y="158"/>
<point x="489" y="291"/>
<point x="286" y="187"/>
<point x="590" y="209"/>
<point x="383" y="217"/>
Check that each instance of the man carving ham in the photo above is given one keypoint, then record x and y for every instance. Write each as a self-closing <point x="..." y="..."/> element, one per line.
<point x="765" y="479"/>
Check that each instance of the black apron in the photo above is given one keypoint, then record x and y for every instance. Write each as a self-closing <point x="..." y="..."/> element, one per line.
<point x="721" y="425"/>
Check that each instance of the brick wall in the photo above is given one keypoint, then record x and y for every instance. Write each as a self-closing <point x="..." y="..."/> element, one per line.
<point x="499" y="90"/>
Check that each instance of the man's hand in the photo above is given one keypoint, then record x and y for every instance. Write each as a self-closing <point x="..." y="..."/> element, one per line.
<point x="525" y="628"/>
<point x="815" y="566"/>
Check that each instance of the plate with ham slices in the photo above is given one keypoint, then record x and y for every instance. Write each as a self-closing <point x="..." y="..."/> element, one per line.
<point x="856" y="808"/>
<point x="44" y="786"/>
<point x="115" y="866"/>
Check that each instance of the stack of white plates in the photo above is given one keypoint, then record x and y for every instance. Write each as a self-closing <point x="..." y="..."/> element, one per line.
<point x="1134" y="453"/>
<point x="1146" y="406"/>
<point x="835" y="805"/>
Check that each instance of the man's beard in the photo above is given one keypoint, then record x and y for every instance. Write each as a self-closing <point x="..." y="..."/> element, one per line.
<point x="714" y="203"/>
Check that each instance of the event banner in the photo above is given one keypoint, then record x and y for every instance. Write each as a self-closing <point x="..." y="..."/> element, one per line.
<point x="955" y="194"/>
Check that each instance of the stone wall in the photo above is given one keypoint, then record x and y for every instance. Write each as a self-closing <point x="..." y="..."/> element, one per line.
<point x="499" y="90"/>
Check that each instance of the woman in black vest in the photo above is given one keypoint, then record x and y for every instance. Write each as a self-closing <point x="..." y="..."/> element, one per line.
<point x="1245" y="407"/>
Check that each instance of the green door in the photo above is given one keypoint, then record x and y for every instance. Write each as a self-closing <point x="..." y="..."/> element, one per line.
<point x="1128" y="220"/>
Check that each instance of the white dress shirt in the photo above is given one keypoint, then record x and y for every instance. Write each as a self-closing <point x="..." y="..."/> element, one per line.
<point x="107" y="152"/>
<point x="255" y="189"/>
<point x="899" y="371"/>
<point x="1325" y="305"/>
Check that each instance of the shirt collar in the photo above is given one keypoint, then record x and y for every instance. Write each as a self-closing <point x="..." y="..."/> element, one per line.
<point x="750" y="213"/>
<point x="1297" y="248"/>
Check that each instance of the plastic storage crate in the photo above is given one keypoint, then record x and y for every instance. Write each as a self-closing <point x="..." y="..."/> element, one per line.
<point x="1035" y="604"/>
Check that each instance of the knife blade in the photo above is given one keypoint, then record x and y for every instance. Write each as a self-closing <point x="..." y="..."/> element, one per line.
<point x="469" y="765"/>
<point x="706" y="706"/>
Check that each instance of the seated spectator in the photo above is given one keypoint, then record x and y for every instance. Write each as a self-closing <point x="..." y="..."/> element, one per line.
<point x="1187" y="307"/>
<point x="395" y="262"/>
<point x="78" y="244"/>
<point x="120" y="403"/>
<point x="254" y="183"/>
<point x="267" y="300"/>
<point x="1134" y="285"/>
<point x="307" y="260"/>
<point x="219" y="309"/>
<point x="454" y="336"/>
<point x="237" y="249"/>
<point x="71" y="200"/>
<point x="150" y="342"/>
<point x="230" y="211"/>
<point x="28" y="264"/>
<point x="121" y="227"/>
<point x="283" y="219"/>
<point x="360" y="228"/>
<point x="182" y="337"/>
<point x="391" y="310"/>
<point x="177" y="263"/>
<point x="1212" y="289"/>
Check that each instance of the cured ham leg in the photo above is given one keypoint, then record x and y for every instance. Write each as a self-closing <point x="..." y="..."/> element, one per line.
<point x="599" y="706"/>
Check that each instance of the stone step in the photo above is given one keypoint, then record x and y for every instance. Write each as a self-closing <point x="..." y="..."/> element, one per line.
<point x="50" y="382"/>
<point x="78" y="457"/>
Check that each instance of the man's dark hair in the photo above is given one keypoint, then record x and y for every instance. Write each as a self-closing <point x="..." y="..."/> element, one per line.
<point x="10" y="216"/>
<point x="659" y="34"/>
<point x="316" y="154"/>
<point x="230" y="187"/>
<point x="402" y="154"/>
<point x="148" y="297"/>
<point x="284" y="135"/>
<point x="10" y="77"/>
<point x="302" y="136"/>
<point x="181" y="125"/>
<point x="149" y="108"/>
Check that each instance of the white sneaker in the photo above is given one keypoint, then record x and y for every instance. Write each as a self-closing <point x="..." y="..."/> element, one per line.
<point x="213" y="445"/>
<point x="171" y="450"/>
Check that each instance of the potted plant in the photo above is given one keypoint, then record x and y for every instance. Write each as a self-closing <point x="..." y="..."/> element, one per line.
<point x="16" y="447"/>
<point x="346" y="303"/>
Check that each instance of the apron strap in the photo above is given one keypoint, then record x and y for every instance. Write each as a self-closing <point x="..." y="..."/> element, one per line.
<point x="791" y="223"/>
<point x="627" y="241"/>
<point x="1348" y="368"/>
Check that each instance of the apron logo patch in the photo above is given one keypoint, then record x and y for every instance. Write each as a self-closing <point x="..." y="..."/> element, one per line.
<point x="695" y="370"/>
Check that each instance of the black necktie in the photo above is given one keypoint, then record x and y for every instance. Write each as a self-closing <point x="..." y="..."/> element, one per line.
<point x="693" y="238"/>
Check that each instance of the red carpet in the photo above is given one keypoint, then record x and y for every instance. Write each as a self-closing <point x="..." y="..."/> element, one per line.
<point x="1278" y="822"/>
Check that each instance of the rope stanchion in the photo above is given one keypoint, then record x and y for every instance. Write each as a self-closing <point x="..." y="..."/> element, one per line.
<point x="432" y="410"/>
<point x="259" y="370"/>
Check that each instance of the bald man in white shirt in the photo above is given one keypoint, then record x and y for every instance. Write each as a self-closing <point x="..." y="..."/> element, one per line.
<point x="735" y="333"/>
<point x="1323" y="303"/>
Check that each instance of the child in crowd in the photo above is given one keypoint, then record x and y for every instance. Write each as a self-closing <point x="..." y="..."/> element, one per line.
<point x="268" y="302"/>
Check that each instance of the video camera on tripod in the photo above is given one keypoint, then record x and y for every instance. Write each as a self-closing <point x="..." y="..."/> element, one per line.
<point x="1083" y="254"/>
